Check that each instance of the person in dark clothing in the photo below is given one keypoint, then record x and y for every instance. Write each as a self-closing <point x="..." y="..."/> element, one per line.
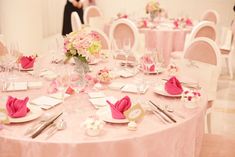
<point x="71" y="6"/>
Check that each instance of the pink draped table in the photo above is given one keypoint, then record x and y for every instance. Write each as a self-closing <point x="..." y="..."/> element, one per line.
<point x="165" y="40"/>
<point x="152" y="138"/>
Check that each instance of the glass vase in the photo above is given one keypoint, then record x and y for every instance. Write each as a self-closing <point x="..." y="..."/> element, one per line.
<point x="81" y="66"/>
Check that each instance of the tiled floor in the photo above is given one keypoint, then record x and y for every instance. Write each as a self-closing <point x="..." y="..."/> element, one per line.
<point x="223" y="110"/>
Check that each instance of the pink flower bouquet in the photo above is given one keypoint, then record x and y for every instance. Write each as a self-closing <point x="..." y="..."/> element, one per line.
<point x="83" y="44"/>
<point x="104" y="76"/>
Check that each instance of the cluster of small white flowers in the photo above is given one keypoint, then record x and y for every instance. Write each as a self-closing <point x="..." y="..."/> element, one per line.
<point x="93" y="123"/>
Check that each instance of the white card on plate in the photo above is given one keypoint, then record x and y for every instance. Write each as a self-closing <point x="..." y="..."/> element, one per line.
<point x="15" y="86"/>
<point x="59" y="95"/>
<point x="116" y="85"/>
<point x="46" y="102"/>
<point x="126" y="73"/>
<point x="34" y="84"/>
<point x="132" y="88"/>
<point x="101" y="102"/>
<point x="96" y="94"/>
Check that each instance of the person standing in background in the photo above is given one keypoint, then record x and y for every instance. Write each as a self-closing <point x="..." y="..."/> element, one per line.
<point x="71" y="6"/>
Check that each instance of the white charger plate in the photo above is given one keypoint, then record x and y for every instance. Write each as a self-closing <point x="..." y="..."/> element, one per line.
<point x="159" y="89"/>
<point x="34" y="113"/>
<point x="106" y="115"/>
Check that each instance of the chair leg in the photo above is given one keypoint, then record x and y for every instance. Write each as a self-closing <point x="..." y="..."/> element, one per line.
<point x="230" y="68"/>
<point x="208" y="121"/>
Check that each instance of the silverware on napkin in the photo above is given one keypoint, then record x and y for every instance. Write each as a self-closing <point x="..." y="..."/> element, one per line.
<point x="163" y="112"/>
<point x="39" y="130"/>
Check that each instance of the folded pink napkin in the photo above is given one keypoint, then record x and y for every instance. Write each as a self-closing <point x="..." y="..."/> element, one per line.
<point x="173" y="86"/>
<point x="120" y="107"/>
<point x="147" y="63"/>
<point x="17" y="108"/>
<point x="27" y="62"/>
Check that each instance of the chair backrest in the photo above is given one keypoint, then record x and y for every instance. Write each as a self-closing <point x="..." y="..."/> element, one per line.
<point x="210" y="15"/>
<point x="3" y="49"/>
<point x="202" y="29"/>
<point x="122" y="30"/>
<point x="204" y="50"/>
<point x="75" y="21"/>
<point x="103" y="37"/>
<point x="91" y="11"/>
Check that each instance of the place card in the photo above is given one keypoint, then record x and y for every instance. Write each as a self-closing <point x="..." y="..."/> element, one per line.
<point x="134" y="113"/>
<point x="133" y="88"/>
<point x="15" y="86"/>
<point x="34" y="84"/>
<point x="46" y="102"/>
<point x="59" y="95"/>
<point x="3" y="116"/>
<point x="116" y="85"/>
<point x="101" y="102"/>
<point x="96" y="94"/>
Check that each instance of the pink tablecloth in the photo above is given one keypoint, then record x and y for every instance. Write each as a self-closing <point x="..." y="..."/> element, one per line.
<point x="165" y="40"/>
<point x="152" y="138"/>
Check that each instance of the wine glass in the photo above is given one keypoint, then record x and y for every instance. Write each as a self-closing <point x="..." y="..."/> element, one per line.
<point x="126" y="49"/>
<point x="115" y="52"/>
<point x="77" y="80"/>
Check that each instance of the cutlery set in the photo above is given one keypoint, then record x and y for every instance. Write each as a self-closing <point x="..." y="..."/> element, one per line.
<point x="164" y="115"/>
<point x="50" y="123"/>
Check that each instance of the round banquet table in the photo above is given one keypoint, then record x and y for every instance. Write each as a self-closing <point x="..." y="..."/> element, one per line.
<point x="152" y="138"/>
<point x="165" y="40"/>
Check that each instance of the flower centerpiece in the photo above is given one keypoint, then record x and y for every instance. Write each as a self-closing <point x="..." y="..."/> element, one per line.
<point x="182" y="22"/>
<point x="104" y="76"/>
<point x="153" y="8"/>
<point x="93" y="125"/>
<point x="83" y="45"/>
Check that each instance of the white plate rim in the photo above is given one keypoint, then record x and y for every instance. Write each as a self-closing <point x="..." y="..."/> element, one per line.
<point x="34" y="113"/>
<point x="105" y="114"/>
<point x="164" y="93"/>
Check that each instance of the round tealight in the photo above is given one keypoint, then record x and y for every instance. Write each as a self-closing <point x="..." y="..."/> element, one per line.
<point x="132" y="126"/>
<point x="99" y="86"/>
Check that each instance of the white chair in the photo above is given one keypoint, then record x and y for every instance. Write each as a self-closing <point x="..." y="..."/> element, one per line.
<point x="91" y="11"/>
<point x="206" y="51"/>
<point x="227" y="48"/>
<point x="124" y="29"/>
<point x="75" y="21"/>
<point x="202" y="29"/>
<point x="103" y="37"/>
<point x="210" y="15"/>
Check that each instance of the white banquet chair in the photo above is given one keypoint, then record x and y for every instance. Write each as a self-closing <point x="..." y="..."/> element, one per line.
<point x="206" y="51"/>
<point x="91" y="12"/>
<point x="124" y="29"/>
<point x="202" y="29"/>
<point x="210" y="15"/>
<point x="75" y="21"/>
<point x="103" y="37"/>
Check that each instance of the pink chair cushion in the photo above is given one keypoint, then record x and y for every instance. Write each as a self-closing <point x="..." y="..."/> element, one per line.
<point x="2" y="49"/>
<point x="123" y="32"/>
<point x="201" y="51"/>
<point x="210" y="16"/>
<point x="208" y="32"/>
<point x="92" y="13"/>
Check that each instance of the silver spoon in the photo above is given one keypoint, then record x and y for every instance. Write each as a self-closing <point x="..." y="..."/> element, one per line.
<point x="171" y="110"/>
<point x="61" y="125"/>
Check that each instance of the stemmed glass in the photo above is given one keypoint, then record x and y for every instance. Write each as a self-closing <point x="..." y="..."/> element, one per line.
<point x="126" y="49"/>
<point x="77" y="80"/>
<point x="115" y="52"/>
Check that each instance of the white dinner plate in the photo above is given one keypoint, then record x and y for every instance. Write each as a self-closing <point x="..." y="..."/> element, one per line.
<point x="160" y="89"/>
<point x="34" y="113"/>
<point x="106" y="115"/>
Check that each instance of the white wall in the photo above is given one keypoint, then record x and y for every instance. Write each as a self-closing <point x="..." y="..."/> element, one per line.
<point x="21" y="21"/>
